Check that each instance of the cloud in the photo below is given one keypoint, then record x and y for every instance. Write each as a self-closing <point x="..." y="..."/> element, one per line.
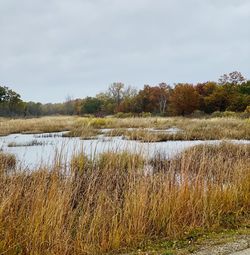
<point x="51" y="49"/>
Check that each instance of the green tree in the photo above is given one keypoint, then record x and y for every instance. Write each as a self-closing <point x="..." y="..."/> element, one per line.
<point x="10" y="102"/>
<point x="244" y="88"/>
<point x="91" y="105"/>
<point x="33" y="109"/>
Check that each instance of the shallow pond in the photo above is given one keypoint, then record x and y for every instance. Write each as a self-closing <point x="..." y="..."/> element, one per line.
<point x="33" y="150"/>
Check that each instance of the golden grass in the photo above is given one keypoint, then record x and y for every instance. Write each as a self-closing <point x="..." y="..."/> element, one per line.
<point x="7" y="163"/>
<point x="191" y="129"/>
<point x="110" y="204"/>
<point x="36" y="125"/>
<point x="86" y="128"/>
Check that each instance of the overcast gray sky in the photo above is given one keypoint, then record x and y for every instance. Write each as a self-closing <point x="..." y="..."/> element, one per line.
<point x="53" y="48"/>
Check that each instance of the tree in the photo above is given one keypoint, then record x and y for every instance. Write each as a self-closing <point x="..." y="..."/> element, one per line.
<point x="108" y="104"/>
<point x="204" y="90"/>
<point x="239" y="103"/>
<point x="3" y="92"/>
<point x="164" y="95"/>
<point x="91" y="105"/>
<point x="184" y="99"/>
<point x="10" y="102"/>
<point x="69" y="105"/>
<point x="153" y="99"/>
<point x="128" y="101"/>
<point x="33" y="109"/>
<point x="219" y="100"/>
<point x="77" y="106"/>
<point x="116" y="91"/>
<point x="234" y="78"/>
<point x="244" y="88"/>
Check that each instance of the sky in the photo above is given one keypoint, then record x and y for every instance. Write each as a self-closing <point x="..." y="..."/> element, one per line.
<point x="54" y="49"/>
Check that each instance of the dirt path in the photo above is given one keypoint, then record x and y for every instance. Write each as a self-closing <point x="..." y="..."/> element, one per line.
<point x="245" y="252"/>
<point x="224" y="244"/>
<point x="238" y="247"/>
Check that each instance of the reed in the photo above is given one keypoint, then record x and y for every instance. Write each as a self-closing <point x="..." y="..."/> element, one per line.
<point x="7" y="163"/>
<point x="89" y="128"/>
<point x="110" y="203"/>
<point x="189" y="129"/>
<point x="27" y="144"/>
<point x="36" y="125"/>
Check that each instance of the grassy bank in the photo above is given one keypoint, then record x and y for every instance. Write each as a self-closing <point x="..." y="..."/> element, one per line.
<point x="189" y="129"/>
<point x="143" y="128"/>
<point x="115" y="203"/>
<point x="36" y="125"/>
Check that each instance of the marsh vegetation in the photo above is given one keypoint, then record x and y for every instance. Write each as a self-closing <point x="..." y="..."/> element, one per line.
<point x="118" y="200"/>
<point x="35" y="125"/>
<point x="112" y="203"/>
<point x="189" y="128"/>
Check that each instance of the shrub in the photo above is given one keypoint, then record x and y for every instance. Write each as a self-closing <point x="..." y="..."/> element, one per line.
<point x="247" y="109"/>
<point x="99" y="122"/>
<point x="145" y="114"/>
<point x="229" y="114"/>
<point x="198" y="114"/>
<point x="217" y="114"/>
<point x="124" y="115"/>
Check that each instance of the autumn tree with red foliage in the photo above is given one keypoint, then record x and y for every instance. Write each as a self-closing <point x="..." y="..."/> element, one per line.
<point x="184" y="99"/>
<point x="154" y="99"/>
<point x="230" y="93"/>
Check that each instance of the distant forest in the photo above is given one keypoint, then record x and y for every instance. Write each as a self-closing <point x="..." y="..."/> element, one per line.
<point x="230" y="93"/>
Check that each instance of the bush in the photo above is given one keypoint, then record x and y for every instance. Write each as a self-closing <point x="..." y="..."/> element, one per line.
<point x="217" y="114"/>
<point x="92" y="122"/>
<point x="247" y="109"/>
<point x="197" y="114"/>
<point x="229" y="114"/>
<point x="124" y="115"/>
<point x="246" y="113"/>
<point x="99" y="122"/>
<point x="146" y="114"/>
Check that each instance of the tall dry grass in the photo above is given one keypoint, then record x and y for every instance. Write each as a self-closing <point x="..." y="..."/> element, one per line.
<point x="192" y="129"/>
<point x="8" y="163"/>
<point x="36" y="125"/>
<point x="111" y="203"/>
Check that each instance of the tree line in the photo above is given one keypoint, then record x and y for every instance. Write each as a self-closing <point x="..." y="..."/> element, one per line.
<point x="230" y="93"/>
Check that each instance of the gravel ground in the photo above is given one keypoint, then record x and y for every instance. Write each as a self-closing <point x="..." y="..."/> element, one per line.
<point x="245" y="252"/>
<point x="238" y="247"/>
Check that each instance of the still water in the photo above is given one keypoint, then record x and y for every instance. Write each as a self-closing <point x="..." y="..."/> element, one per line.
<point x="42" y="149"/>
